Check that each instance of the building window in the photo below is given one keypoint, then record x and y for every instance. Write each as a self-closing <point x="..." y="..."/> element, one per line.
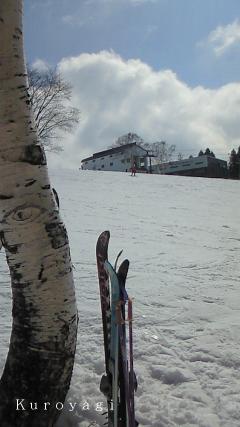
<point x="123" y="160"/>
<point x="102" y="158"/>
<point x="199" y="163"/>
<point x="128" y="160"/>
<point x="111" y="164"/>
<point x="93" y="160"/>
<point x="110" y="155"/>
<point x="102" y="166"/>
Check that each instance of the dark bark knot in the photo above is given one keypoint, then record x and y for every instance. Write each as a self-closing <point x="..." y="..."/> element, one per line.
<point x="40" y="275"/>
<point x="24" y="311"/>
<point x="23" y="214"/>
<point x="30" y="182"/>
<point x="26" y="214"/>
<point x="15" y="274"/>
<point x="56" y="196"/>
<point x="18" y="30"/>
<point x="34" y="154"/>
<point x="57" y="233"/>
<point x="13" y="249"/>
<point x="6" y="196"/>
<point x="20" y="75"/>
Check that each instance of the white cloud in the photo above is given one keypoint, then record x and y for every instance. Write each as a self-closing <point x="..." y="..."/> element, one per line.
<point x="77" y="20"/>
<point x="117" y="96"/>
<point x="121" y="1"/>
<point x="224" y="37"/>
<point x="68" y="19"/>
<point x="40" y="65"/>
<point x="92" y="12"/>
<point x="137" y="2"/>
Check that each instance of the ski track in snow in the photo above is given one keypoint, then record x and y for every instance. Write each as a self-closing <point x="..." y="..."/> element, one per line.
<point x="182" y="238"/>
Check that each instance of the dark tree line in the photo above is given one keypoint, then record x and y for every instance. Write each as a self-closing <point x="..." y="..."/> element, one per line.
<point x="234" y="164"/>
<point x="206" y="153"/>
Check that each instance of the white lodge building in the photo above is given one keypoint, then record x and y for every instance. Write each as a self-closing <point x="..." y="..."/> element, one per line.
<point x="119" y="159"/>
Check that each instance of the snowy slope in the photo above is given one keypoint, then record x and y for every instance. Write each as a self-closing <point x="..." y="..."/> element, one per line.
<point x="183" y="240"/>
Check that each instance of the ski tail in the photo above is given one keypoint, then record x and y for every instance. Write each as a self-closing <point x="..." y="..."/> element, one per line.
<point x="128" y="375"/>
<point x="119" y="383"/>
<point x="114" y="342"/>
<point x="102" y="256"/>
<point x="132" y="376"/>
<point x="123" y="364"/>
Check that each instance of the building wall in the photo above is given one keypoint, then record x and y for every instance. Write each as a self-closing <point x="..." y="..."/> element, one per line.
<point x="120" y="161"/>
<point x="182" y="165"/>
<point x="217" y="168"/>
<point x="202" y="166"/>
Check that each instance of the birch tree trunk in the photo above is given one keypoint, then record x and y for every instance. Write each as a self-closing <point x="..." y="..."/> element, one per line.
<point x="39" y="364"/>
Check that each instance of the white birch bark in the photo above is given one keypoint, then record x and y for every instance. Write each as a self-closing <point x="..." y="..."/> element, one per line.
<point x="43" y="340"/>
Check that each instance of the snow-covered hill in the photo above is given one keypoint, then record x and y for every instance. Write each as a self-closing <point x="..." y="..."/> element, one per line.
<point x="182" y="238"/>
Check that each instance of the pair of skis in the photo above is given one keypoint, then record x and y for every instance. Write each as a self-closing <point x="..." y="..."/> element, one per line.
<point x="119" y="383"/>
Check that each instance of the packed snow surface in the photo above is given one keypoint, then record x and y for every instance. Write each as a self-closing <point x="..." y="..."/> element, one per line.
<point x="182" y="238"/>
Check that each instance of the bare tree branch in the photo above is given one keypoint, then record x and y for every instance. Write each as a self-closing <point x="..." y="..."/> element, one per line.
<point x="50" y="98"/>
<point x="127" y="139"/>
<point x="162" y="151"/>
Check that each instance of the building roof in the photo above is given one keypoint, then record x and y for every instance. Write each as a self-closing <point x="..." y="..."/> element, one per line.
<point x="113" y="150"/>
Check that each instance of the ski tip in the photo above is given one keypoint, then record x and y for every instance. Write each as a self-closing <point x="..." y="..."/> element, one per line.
<point x="103" y="239"/>
<point x="123" y="268"/>
<point x="120" y="253"/>
<point x="105" y="234"/>
<point x="118" y="256"/>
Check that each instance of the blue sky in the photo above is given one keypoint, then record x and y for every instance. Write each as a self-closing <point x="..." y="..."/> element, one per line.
<point x="162" y="33"/>
<point x="197" y="41"/>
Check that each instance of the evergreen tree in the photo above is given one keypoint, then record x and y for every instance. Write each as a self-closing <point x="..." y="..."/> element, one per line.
<point x="234" y="164"/>
<point x="238" y="162"/>
<point x="209" y="153"/>
<point x="201" y="153"/>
